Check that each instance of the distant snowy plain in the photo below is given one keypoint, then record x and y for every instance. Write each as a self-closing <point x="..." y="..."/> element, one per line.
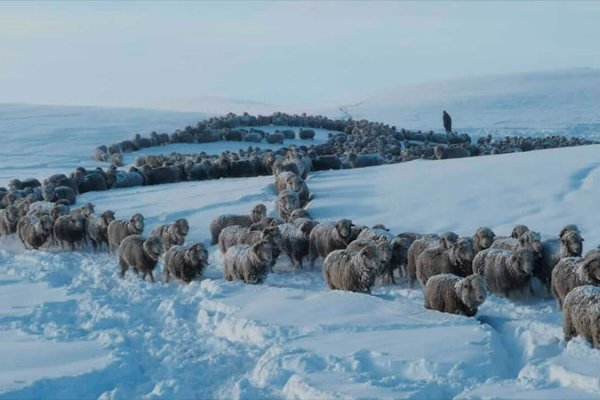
<point x="71" y="328"/>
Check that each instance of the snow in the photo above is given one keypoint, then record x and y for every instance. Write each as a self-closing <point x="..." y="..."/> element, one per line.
<point x="72" y="328"/>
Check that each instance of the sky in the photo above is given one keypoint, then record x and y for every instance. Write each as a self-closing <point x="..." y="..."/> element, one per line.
<point x="179" y="55"/>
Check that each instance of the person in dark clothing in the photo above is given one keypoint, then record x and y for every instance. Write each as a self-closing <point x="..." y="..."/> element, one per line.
<point x="447" y="122"/>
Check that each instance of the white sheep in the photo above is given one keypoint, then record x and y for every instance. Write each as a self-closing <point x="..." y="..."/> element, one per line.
<point x="325" y="238"/>
<point x="572" y="272"/>
<point x="455" y="295"/>
<point x="504" y="271"/>
<point x="250" y="264"/>
<point x="350" y="270"/>
<point x="581" y="314"/>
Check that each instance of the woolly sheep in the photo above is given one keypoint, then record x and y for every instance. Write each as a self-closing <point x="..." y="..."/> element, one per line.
<point x="455" y="295"/>
<point x="306" y="134"/>
<point x="483" y="239"/>
<point x="140" y="254"/>
<point x="299" y="213"/>
<point x="438" y="260"/>
<point x="325" y="238"/>
<point x="34" y="231"/>
<point x="281" y="180"/>
<point x="235" y="234"/>
<point x="185" y="262"/>
<point x="504" y="271"/>
<point x="117" y="160"/>
<point x="383" y="247"/>
<point x="9" y="218"/>
<point x="54" y="194"/>
<point x="120" y="229"/>
<point x="249" y="264"/>
<point x="444" y="153"/>
<point x="274" y="138"/>
<point x="365" y="160"/>
<point x="218" y="224"/>
<point x="518" y="231"/>
<point x="97" y="228"/>
<point x="172" y="234"/>
<point x="351" y="271"/>
<point x="16" y="184"/>
<point x="530" y="240"/>
<point x="581" y="314"/>
<point x="569" y="244"/>
<point x="295" y="241"/>
<point x="394" y="261"/>
<point x="572" y="272"/>
<point x="420" y="245"/>
<point x="69" y="231"/>
<point x="287" y="202"/>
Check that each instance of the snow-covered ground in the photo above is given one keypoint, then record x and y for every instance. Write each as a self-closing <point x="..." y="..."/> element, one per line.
<point x="71" y="328"/>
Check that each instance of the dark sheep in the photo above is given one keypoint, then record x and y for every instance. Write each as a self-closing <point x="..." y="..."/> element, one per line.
<point x="218" y="224"/>
<point x="97" y="228"/>
<point x="140" y="254"/>
<point x="34" y="231"/>
<point x="185" y="262"/>
<point x="69" y="231"/>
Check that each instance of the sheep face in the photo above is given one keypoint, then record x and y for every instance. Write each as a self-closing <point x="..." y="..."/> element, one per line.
<point x="78" y="222"/>
<point x="182" y="227"/>
<point x="568" y="228"/>
<point x="385" y="249"/>
<point x="196" y="255"/>
<point x="259" y="212"/>
<point x="463" y="251"/>
<point x="45" y="224"/>
<point x="87" y="209"/>
<point x="472" y="291"/>
<point x="137" y="222"/>
<point x="294" y="183"/>
<point x="48" y="193"/>
<point x="573" y="242"/>
<point x="107" y="217"/>
<point x="12" y="214"/>
<point x="484" y="237"/>
<point x="344" y="228"/>
<point x="532" y="241"/>
<point x="448" y="239"/>
<point x="299" y="213"/>
<point x="153" y="247"/>
<point x="272" y="234"/>
<point x="518" y="231"/>
<point x="522" y="261"/>
<point x="263" y="251"/>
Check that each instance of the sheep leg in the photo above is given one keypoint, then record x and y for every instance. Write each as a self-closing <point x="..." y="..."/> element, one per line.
<point x="152" y="277"/>
<point x="568" y="329"/>
<point x="166" y="275"/>
<point x="124" y="267"/>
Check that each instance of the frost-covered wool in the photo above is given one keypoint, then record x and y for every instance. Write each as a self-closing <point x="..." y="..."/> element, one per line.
<point x="365" y="160"/>
<point x="569" y="228"/>
<point x="300" y="213"/>
<point x="122" y="179"/>
<point x="350" y="270"/>
<point x="282" y="179"/>
<point x="581" y="314"/>
<point x="218" y="224"/>
<point x="236" y="234"/>
<point x="54" y="194"/>
<point x="325" y="238"/>
<point x="172" y="234"/>
<point x="16" y="184"/>
<point x="420" y="245"/>
<point x="572" y="272"/>
<point x="455" y="260"/>
<point x="116" y="159"/>
<point x="569" y="244"/>
<point x="518" y="230"/>
<point x="394" y="260"/>
<point x="504" y="271"/>
<point x="527" y="240"/>
<point x="9" y="218"/>
<point x="140" y="254"/>
<point x="483" y="239"/>
<point x="444" y="153"/>
<point x="69" y="231"/>
<point x="287" y="202"/>
<point x="455" y="295"/>
<point x="250" y="264"/>
<point x="295" y="241"/>
<point x="34" y="231"/>
<point x="120" y="229"/>
<point x="383" y="247"/>
<point x="86" y="210"/>
<point x="185" y="262"/>
<point x="97" y="228"/>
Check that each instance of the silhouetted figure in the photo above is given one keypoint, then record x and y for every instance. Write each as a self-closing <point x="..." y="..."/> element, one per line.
<point x="447" y="122"/>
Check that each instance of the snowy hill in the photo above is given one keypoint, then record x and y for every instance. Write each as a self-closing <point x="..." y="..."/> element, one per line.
<point x="566" y="102"/>
<point x="72" y="328"/>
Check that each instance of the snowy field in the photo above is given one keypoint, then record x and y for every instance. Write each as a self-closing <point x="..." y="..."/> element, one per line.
<point x="72" y="328"/>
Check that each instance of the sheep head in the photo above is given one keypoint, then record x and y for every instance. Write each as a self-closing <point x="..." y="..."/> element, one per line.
<point x="196" y="254"/>
<point x="572" y="244"/>
<point x="590" y="269"/>
<point x="263" y="251"/>
<point x="182" y="227"/>
<point x="522" y="261"/>
<point x="518" y="231"/>
<point x="44" y="225"/>
<point x="568" y="228"/>
<point x="258" y="212"/>
<point x="484" y="237"/>
<point x="344" y="229"/>
<point x="471" y="290"/>
<point x="107" y="217"/>
<point x="153" y="247"/>
<point x="137" y="223"/>
<point x="447" y="239"/>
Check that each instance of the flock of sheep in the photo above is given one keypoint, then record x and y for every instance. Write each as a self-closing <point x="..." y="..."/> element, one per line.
<point x="455" y="272"/>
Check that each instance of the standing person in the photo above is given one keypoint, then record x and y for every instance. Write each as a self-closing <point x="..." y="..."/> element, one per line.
<point x="447" y="122"/>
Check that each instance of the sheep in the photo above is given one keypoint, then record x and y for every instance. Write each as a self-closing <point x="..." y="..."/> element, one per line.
<point x="259" y="212"/>
<point x="121" y="179"/>
<point x="306" y="134"/>
<point x="581" y="314"/>
<point x="101" y="153"/>
<point x="60" y="180"/>
<point x="455" y="295"/>
<point x="160" y="175"/>
<point x="235" y="234"/>
<point x="295" y="241"/>
<point x="54" y="194"/>
<point x="569" y="244"/>
<point x="518" y="231"/>
<point x="86" y="210"/>
<point x="287" y="202"/>
<point x="421" y="244"/>
<point x="384" y="249"/>
<point x="250" y="264"/>
<point x="291" y="181"/>
<point x="398" y="250"/>
<point x="483" y="239"/>
<point x="300" y="213"/>
<point x="120" y="229"/>
<point x="69" y="230"/>
<point x="185" y="262"/>
<point x="528" y="239"/>
<point x="97" y="228"/>
<point x="325" y="238"/>
<point x="275" y="138"/>
<point x="288" y="134"/>
<point x="365" y="160"/>
<point x="172" y="234"/>
<point x="90" y="181"/>
<point x="443" y="153"/>
<point x="16" y="184"/>
<point x="9" y="218"/>
<point x="350" y="270"/>
<point x="572" y="272"/>
<point x="116" y="160"/>
<point x="140" y="254"/>
<point x="281" y="180"/>
<point x="455" y="259"/>
<point x="34" y="231"/>
<point x="326" y="162"/>
<point x="504" y="271"/>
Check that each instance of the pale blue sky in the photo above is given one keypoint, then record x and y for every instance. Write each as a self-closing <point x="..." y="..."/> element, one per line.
<point x="149" y="54"/>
